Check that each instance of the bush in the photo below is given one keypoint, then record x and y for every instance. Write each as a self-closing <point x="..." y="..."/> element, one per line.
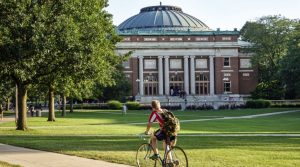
<point x="114" y="104"/>
<point x="131" y="105"/>
<point x="200" y="107"/>
<point x="88" y="106"/>
<point x="285" y="105"/>
<point x="258" y="104"/>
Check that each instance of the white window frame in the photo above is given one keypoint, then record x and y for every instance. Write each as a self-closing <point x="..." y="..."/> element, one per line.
<point x="228" y="61"/>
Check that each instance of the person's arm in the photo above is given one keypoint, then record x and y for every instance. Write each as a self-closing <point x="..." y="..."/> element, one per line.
<point x="147" y="132"/>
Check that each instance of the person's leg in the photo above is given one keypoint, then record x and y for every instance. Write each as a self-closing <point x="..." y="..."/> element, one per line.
<point x="154" y="144"/>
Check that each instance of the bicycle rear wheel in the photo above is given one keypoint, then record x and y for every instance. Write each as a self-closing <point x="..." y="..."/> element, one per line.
<point x="176" y="157"/>
<point x="142" y="156"/>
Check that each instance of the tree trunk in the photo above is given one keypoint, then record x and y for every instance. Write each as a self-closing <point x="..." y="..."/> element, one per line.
<point x="64" y="103"/>
<point x="7" y="104"/>
<point x="71" y="105"/>
<point x="51" y="115"/>
<point x="16" y="105"/>
<point x="22" y="107"/>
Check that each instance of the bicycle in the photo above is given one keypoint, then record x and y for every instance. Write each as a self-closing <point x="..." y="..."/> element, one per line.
<point x="174" y="156"/>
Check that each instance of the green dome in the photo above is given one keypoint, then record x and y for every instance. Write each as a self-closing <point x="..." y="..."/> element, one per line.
<point x="162" y="18"/>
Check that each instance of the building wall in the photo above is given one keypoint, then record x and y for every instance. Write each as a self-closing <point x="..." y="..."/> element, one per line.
<point x="242" y="80"/>
<point x="228" y="74"/>
<point x="248" y="78"/>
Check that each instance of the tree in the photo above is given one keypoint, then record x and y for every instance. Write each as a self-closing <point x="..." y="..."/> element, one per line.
<point x="289" y="67"/>
<point x="7" y="89"/>
<point x="117" y="90"/>
<point x="22" y="56"/>
<point x="269" y="37"/>
<point x="95" y="47"/>
<point x="43" y="40"/>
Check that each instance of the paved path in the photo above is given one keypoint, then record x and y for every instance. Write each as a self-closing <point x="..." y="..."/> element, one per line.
<point x="35" y="158"/>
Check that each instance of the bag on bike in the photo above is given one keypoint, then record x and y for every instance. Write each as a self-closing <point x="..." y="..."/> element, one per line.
<point x="171" y="123"/>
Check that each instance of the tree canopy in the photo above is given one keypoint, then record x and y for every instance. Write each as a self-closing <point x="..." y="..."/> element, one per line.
<point x="270" y="38"/>
<point x="46" y="40"/>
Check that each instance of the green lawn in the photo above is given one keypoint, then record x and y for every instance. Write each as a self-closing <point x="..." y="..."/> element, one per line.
<point x="4" y="164"/>
<point x="88" y="134"/>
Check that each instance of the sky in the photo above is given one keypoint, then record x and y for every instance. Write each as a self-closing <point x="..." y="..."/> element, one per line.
<point x="223" y="14"/>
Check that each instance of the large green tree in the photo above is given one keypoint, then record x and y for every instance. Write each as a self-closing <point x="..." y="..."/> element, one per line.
<point x="43" y="39"/>
<point x="290" y="66"/>
<point x="269" y="37"/>
<point x="118" y="90"/>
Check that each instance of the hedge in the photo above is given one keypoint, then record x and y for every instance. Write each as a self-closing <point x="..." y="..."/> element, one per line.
<point x="114" y="104"/>
<point x="258" y="104"/>
<point x="131" y="105"/>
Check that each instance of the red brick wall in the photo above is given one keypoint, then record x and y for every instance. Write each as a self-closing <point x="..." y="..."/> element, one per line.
<point x="220" y="70"/>
<point x="248" y="83"/>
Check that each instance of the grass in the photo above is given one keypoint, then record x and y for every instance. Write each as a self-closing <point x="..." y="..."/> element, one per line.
<point x="4" y="164"/>
<point x="82" y="134"/>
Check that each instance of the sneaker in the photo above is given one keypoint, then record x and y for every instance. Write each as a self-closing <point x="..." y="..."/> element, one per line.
<point x="154" y="156"/>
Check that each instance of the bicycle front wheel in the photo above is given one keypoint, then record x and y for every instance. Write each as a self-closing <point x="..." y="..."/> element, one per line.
<point x="176" y="157"/>
<point x="142" y="156"/>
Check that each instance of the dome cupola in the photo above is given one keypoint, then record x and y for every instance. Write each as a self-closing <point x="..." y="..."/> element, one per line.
<point x="162" y="18"/>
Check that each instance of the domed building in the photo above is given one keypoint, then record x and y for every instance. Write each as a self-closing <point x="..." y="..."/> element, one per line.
<point x="177" y="55"/>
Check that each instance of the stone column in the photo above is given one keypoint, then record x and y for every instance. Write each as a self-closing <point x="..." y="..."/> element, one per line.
<point x="141" y="75"/>
<point x="167" y="77"/>
<point x="186" y="74"/>
<point x="211" y="75"/>
<point x="193" y="83"/>
<point x="160" y="76"/>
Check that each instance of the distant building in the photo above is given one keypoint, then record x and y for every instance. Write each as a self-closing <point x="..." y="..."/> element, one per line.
<point x="174" y="52"/>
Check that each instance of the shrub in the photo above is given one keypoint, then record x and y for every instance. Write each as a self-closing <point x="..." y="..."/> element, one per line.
<point x="131" y="105"/>
<point x="88" y="106"/>
<point x="114" y="104"/>
<point x="258" y="103"/>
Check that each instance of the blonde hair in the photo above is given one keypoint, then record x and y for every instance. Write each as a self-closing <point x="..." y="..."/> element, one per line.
<point x="155" y="104"/>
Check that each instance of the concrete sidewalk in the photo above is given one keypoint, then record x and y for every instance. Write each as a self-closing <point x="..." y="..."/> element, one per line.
<point x="35" y="158"/>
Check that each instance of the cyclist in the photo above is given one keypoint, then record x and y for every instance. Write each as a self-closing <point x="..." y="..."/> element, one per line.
<point x="159" y="134"/>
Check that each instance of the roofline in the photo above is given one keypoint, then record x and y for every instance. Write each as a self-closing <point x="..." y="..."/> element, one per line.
<point x="159" y="33"/>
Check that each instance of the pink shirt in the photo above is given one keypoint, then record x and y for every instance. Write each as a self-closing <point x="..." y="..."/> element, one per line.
<point x="156" y="117"/>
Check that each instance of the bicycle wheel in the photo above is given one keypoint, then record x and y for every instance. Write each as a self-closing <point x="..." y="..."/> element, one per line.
<point x="176" y="157"/>
<point x="142" y="156"/>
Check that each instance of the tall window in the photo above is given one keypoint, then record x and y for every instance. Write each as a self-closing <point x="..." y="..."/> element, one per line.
<point x="151" y="84"/>
<point x="202" y="84"/>
<point x="226" y="62"/>
<point x="227" y="86"/>
<point x="176" y="84"/>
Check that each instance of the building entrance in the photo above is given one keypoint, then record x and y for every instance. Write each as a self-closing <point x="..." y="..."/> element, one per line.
<point x="176" y="84"/>
<point x="151" y="85"/>
<point x="202" y="84"/>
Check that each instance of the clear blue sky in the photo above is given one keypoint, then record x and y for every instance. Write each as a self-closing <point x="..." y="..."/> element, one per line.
<point x="224" y="14"/>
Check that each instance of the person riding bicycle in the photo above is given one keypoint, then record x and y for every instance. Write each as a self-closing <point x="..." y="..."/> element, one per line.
<point x="159" y="134"/>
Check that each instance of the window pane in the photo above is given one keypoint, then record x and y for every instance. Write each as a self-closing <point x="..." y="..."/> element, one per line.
<point x="226" y="62"/>
<point x="227" y="87"/>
